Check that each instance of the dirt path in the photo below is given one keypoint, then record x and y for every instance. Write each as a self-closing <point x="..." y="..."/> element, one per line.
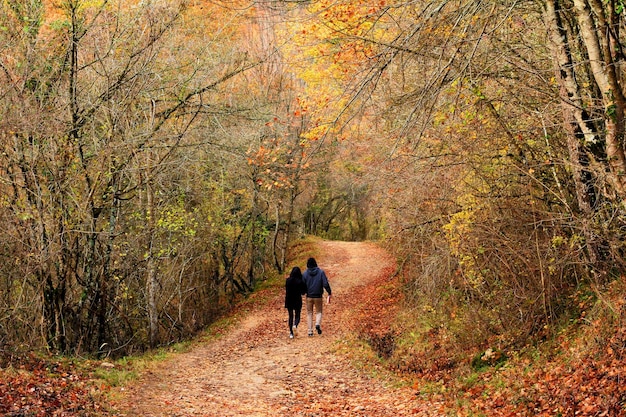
<point x="256" y="370"/>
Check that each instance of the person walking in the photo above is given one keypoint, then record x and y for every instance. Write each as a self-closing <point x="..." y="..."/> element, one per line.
<point x="316" y="282"/>
<point x="294" y="290"/>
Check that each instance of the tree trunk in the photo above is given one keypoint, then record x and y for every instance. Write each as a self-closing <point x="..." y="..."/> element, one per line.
<point x="577" y="122"/>
<point x="54" y="303"/>
<point x="594" y="35"/>
<point x="151" y="278"/>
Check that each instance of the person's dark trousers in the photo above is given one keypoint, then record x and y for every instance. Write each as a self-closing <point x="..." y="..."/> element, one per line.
<point x="294" y="318"/>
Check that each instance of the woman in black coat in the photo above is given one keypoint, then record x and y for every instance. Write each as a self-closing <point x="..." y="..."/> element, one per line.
<point x="294" y="289"/>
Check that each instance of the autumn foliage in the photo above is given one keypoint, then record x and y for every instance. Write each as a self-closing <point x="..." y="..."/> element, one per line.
<point x="159" y="158"/>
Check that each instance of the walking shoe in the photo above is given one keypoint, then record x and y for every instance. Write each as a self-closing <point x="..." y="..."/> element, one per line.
<point x="319" y="329"/>
<point x="291" y="335"/>
<point x="310" y="333"/>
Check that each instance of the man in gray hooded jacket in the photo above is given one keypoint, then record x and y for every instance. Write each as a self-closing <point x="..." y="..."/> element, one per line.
<point x="316" y="282"/>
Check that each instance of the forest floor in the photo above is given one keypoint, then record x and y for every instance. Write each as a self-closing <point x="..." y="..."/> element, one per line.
<point x="255" y="369"/>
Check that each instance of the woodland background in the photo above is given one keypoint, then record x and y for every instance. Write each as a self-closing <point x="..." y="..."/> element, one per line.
<point x="158" y="158"/>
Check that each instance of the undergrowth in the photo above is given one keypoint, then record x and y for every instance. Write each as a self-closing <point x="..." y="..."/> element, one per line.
<point x="573" y="366"/>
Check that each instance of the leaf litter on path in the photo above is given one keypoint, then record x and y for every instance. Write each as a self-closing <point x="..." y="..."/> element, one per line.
<point x="256" y="370"/>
